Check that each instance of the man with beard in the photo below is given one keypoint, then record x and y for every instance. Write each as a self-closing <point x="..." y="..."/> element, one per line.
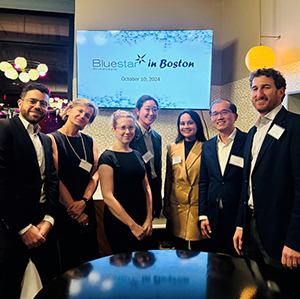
<point x="29" y="194"/>
<point x="269" y="210"/>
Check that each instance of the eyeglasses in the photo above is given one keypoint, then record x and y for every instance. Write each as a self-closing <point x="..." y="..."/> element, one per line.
<point x="222" y="113"/>
<point x="33" y="102"/>
<point x="124" y="128"/>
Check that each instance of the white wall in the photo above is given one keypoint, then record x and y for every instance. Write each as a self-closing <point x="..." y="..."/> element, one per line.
<point x="154" y="15"/>
<point x="240" y="32"/>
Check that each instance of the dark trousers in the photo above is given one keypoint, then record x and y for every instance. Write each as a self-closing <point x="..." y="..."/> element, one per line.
<point x="272" y="271"/>
<point x="221" y="240"/>
<point x="13" y="262"/>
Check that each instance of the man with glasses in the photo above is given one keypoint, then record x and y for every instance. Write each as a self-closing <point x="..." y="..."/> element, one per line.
<point x="220" y="182"/>
<point x="29" y="194"/>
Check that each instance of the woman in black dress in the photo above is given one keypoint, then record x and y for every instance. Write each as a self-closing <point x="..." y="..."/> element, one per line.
<point x="125" y="190"/>
<point x="76" y="159"/>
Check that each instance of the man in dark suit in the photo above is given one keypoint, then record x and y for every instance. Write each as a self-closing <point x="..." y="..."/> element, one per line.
<point x="29" y="194"/>
<point x="269" y="210"/>
<point x="220" y="181"/>
<point x="148" y="143"/>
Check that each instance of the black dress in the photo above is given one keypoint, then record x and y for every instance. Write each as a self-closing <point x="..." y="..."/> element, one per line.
<point x="77" y="244"/>
<point x="129" y="172"/>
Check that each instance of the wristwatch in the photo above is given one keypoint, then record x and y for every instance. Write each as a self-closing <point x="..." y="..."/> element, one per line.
<point x="85" y="199"/>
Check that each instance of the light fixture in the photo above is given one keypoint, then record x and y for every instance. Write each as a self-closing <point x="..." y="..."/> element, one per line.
<point x="23" y="69"/>
<point x="260" y="56"/>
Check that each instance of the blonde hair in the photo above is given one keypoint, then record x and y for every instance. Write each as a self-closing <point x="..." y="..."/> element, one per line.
<point x="80" y="102"/>
<point x="120" y="114"/>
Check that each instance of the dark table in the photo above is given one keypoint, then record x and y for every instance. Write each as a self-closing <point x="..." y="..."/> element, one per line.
<point x="163" y="274"/>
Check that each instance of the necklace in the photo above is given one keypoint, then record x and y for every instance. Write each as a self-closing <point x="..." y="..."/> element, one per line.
<point x="85" y="157"/>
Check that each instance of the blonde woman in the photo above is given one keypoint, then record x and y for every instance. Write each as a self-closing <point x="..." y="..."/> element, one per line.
<point x="76" y="159"/>
<point x="125" y="190"/>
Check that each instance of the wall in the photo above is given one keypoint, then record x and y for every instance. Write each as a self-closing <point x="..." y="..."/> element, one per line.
<point x="236" y="30"/>
<point x="240" y="32"/>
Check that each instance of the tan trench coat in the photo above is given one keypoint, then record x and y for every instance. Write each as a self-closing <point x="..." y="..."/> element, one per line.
<point x="184" y="191"/>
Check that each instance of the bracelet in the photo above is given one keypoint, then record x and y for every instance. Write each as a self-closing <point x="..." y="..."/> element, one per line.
<point x="85" y="200"/>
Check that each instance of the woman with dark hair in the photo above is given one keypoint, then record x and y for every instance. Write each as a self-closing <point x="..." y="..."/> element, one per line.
<point x="181" y="183"/>
<point x="148" y="143"/>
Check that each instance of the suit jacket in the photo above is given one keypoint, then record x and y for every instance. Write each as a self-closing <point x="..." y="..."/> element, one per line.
<point x="214" y="186"/>
<point x="138" y="144"/>
<point x="20" y="181"/>
<point x="275" y="186"/>
<point x="184" y="191"/>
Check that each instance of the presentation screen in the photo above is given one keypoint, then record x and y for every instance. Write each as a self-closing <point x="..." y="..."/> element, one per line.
<point x="115" y="68"/>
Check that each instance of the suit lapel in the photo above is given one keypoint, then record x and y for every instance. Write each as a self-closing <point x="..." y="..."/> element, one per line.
<point x="141" y="146"/>
<point x="269" y="139"/>
<point x="212" y="156"/>
<point x="236" y="146"/>
<point x="26" y="145"/>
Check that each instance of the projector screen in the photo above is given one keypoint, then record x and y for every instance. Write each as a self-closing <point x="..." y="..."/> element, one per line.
<point x="115" y="68"/>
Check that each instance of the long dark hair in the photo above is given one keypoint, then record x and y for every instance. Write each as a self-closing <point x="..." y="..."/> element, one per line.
<point x="196" y="118"/>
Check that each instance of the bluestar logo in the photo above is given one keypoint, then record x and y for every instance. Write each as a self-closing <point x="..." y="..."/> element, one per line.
<point x="163" y="63"/>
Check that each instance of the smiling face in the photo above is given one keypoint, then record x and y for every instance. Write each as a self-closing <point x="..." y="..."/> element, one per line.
<point x="79" y="116"/>
<point x="187" y="127"/>
<point x="224" y="123"/>
<point x="33" y="113"/>
<point x="147" y="114"/>
<point x="264" y="94"/>
<point x="125" y="130"/>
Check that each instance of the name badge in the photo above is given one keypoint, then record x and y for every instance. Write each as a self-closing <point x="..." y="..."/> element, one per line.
<point x="176" y="160"/>
<point x="276" y="131"/>
<point x="85" y="165"/>
<point x="237" y="161"/>
<point x="147" y="157"/>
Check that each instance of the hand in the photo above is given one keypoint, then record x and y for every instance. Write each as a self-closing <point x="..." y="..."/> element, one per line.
<point x="205" y="228"/>
<point x="238" y="242"/>
<point x="138" y="231"/>
<point x="83" y="219"/>
<point x="167" y="212"/>
<point x="290" y="258"/>
<point x="33" y="238"/>
<point x="44" y="228"/>
<point x="76" y="209"/>
<point x="147" y="226"/>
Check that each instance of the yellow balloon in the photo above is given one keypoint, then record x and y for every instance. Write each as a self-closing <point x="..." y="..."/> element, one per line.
<point x="260" y="57"/>
<point x="21" y="62"/>
<point x="33" y="74"/>
<point x="11" y="74"/>
<point x="42" y="68"/>
<point x="4" y="66"/>
<point x="24" y="77"/>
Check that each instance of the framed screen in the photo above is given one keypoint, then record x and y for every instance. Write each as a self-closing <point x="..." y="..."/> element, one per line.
<point x="115" y="68"/>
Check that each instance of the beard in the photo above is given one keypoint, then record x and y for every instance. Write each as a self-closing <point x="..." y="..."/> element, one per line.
<point x="33" y="119"/>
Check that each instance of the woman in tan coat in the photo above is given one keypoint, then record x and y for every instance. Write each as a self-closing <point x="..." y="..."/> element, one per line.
<point x="181" y="183"/>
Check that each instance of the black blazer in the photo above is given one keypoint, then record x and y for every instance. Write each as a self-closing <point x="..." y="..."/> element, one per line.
<point x="20" y="180"/>
<point x="213" y="186"/>
<point x="275" y="186"/>
<point x="138" y="144"/>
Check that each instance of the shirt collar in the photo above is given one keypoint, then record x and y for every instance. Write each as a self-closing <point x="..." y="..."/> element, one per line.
<point x="230" y="137"/>
<point x="143" y="130"/>
<point x="269" y="116"/>
<point x="27" y="124"/>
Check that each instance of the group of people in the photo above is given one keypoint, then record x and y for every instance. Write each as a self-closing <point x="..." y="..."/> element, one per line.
<point x="236" y="193"/>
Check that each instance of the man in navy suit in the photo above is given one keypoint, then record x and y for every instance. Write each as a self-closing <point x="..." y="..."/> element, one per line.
<point x="220" y="182"/>
<point x="269" y="212"/>
<point x="29" y="194"/>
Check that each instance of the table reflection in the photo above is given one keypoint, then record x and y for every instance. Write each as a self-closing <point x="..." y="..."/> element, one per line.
<point x="161" y="274"/>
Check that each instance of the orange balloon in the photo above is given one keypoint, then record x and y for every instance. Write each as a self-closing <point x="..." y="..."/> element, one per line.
<point x="260" y="57"/>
